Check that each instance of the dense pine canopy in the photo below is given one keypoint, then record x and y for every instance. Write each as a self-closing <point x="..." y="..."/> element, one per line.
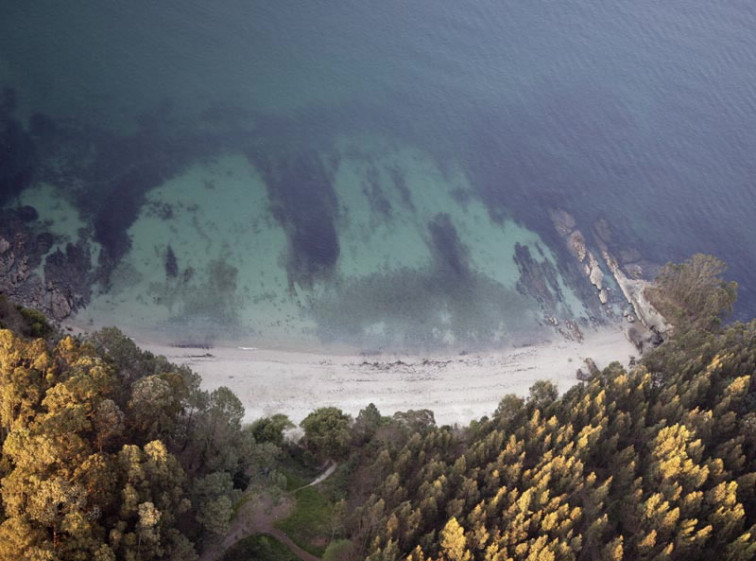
<point x="657" y="463"/>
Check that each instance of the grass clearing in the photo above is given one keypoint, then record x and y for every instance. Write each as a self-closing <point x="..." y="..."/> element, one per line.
<point x="309" y="526"/>
<point x="297" y="475"/>
<point x="335" y="487"/>
<point x="339" y="550"/>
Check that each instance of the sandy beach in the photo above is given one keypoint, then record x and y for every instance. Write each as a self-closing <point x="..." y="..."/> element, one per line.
<point x="457" y="388"/>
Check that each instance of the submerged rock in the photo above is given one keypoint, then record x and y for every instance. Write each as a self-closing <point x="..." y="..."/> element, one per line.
<point x="451" y="254"/>
<point x="45" y="241"/>
<point x="171" y="265"/>
<point x="603" y="230"/>
<point x="563" y="221"/>
<point x="27" y="213"/>
<point x="42" y="127"/>
<point x="538" y="279"/>
<point x="576" y="245"/>
<point x="304" y="203"/>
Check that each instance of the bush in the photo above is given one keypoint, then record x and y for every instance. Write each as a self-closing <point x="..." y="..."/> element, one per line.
<point x="26" y="321"/>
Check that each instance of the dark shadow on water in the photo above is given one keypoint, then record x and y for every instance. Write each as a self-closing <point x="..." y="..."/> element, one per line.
<point x="450" y="253"/>
<point x="303" y="201"/>
<point x="421" y="309"/>
<point x="17" y="152"/>
<point x="577" y="148"/>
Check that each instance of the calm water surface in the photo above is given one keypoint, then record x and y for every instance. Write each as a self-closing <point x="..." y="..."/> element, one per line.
<point x="358" y="125"/>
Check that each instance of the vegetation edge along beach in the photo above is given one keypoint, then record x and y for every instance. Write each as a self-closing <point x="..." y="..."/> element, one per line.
<point x="110" y="452"/>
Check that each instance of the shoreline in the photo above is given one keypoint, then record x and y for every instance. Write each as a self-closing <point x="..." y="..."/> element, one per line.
<point x="457" y="388"/>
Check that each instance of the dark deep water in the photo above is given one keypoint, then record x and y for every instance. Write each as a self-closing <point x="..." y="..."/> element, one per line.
<point x="642" y="113"/>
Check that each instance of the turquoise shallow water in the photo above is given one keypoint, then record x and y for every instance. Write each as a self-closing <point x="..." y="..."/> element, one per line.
<point x="342" y="140"/>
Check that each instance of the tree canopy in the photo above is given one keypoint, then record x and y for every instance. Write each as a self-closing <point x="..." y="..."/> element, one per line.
<point x="692" y="294"/>
<point x="110" y="453"/>
<point x="327" y="432"/>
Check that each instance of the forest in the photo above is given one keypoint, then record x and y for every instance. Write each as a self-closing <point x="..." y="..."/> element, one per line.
<point x="111" y="453"/>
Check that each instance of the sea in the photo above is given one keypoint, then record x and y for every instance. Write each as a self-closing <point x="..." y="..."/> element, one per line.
<point x="376" y="175"/>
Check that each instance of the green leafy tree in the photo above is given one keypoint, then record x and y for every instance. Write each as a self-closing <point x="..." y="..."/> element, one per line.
<point x="327" y="432"/>
<point x="213" y="497"/>
<point x="366" y="424"/>
<point x="542" y="394"/>
<point x="271" y="429"/>
<point x="692" y="294"/>
<point x="509" y="408"/>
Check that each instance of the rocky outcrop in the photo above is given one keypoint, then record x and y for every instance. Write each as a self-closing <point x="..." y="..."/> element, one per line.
<point x="634" y="292"/>
<point x="644" y="338"/>
<point x="576" y="245"/>
<point x="596" y="276"/>
<point x="651" y="327"/>
<point x="565" y="225"/>
<point x="563" y="221"/>
<point x="539" y="279"/>
<point x="68" y="278"/>
<point x="57" y="283"/>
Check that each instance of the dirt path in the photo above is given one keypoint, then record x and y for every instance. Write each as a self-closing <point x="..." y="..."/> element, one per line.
<point x="294" y="548"/>
<point x="258" y="516"/>
<point x="328" y="468"/>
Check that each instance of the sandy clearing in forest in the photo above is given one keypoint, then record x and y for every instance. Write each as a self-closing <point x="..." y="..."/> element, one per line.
<point x="456" y="388"/>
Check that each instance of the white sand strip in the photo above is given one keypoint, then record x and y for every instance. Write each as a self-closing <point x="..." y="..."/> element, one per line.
<point x="456" y="388"/>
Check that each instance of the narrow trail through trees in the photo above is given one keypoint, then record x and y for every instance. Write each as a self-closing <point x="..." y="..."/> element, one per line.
<point x="258" y="516"/>
<point x="329" y="467"/>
